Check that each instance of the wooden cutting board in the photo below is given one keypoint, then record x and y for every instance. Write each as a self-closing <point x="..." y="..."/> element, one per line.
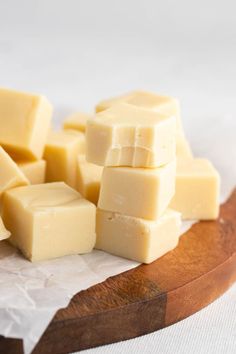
<point x="148" y="297"/>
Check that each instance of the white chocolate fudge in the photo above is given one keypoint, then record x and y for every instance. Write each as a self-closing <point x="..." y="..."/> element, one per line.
<point x="148" y="100"/>
<point x="183" y="149"/>
<point x="141" y="192"/>
<point x="49" y="220"/>
<point x="125" y="135"/>
<point x="4" y="233"/>
<point x="88" y="179"/>
<point x="61" y="152"/>
<point x="10" y="176"/>
<point x="197" y="189"/>
<point x="77" y="121"/>
<point x="109" y="102"/>
<point x="137" y="239"/>
<point x="25" y="121"/>
<point x="34" y="171"/>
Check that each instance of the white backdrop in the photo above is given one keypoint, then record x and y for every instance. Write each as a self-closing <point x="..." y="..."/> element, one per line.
<point x="77" y="52"/>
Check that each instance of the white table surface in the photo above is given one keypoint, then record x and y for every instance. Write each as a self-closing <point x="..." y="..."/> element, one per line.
<point x="78" y="52"/>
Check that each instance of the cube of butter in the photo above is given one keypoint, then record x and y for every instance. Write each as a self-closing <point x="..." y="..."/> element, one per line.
<point x="197" y="189"/>
<point x="4" y="233"/>
<point x="182" y="147"/>
<point x="148" y="100"/>
<point x="137" y="239"/>
<point x="125" y="135"/>
<point x="77" y="121"/>
<point x="10" y="176"/>
<point x="89" y="179"/>
<point x="49" y="220"/>
<point x="24" y="120"/>
<point x="61" y="152"/>
<point x="141" y="192"/>
<point x="34" y="171"/>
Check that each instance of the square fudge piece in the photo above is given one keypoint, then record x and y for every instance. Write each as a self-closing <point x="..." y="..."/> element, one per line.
<point x="77" y="121"/>
<point x="11" y="176"/>
<point x="25" y="121"/>
<point x="88" y="179"/>
<point x="125" y="135"/>
<point x="61" y="152"/>
<point x="34" y="171"/>
<point x="49" y="220"/>
<point x="141" y="192"/>
<point x="148" y="100"/>
<point x="137" y="239"/>
<point x="197" y="189"/>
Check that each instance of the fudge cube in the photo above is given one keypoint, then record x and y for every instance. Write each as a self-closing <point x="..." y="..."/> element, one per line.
<point x="197" y="189"/>
<point x="88" y="179"/>
<point x="126" y="135"/>
<point x="137" y="239"/>
<point x="148" y="100"/>
<point x="109" y="102"/>
<point x="77" y="121"/>
<point x="34" y="171"/>
<point x="49" y="220"/>
<point x="25" y="121"/>
<point x="141" y="192"/>
<point x="61" y="152"/>
<point x="11" y="176"/>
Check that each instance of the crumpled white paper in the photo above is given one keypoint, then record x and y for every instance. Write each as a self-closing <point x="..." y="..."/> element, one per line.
<point x="31" y="293"/>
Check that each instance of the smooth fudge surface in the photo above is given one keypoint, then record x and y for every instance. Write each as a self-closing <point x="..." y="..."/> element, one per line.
<point x="137" y="239"/>
<point x="140" y="192"/>
<point x="77" y="121"/>
<point x="34" y="171"/>
<point x="88" y="179"/>
<point x="11" y="176"/>
<point x="148" y="100"/>
<point x="126" y="135"/>
<point x="197" y="189"/>
<point x="25" y="121"/>
<point x="49" y="220"/>
<point x="61" y="152"/>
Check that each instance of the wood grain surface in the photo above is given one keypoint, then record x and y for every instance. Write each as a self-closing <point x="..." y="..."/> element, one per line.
<point x="148" y="297"/>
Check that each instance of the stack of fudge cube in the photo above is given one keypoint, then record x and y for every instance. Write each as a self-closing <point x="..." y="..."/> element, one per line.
<point x="137" y="147"/>
<point x="131" y="159"/>
<point x="150" y="177"/>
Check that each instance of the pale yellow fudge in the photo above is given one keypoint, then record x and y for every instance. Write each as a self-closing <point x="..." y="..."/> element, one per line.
<point x="61" y="152"/>
<point x="107" y="103"/>
<point x="137" y="239"/>
<point x="4" y="233"/>
<point x="88" y="179"/>
<point x="148" y="100"/>
<point x="140" y="192"/>
<point x="24" y="120"/>
<point x="183" y="148"/>
<point x="197" y="189"/>
<point x="10" y="174"/>
<point x="34" y="171"/>
<point x="77" y="121"/>
<point x="125" y="135"/>
<point x="49" y="220"/>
